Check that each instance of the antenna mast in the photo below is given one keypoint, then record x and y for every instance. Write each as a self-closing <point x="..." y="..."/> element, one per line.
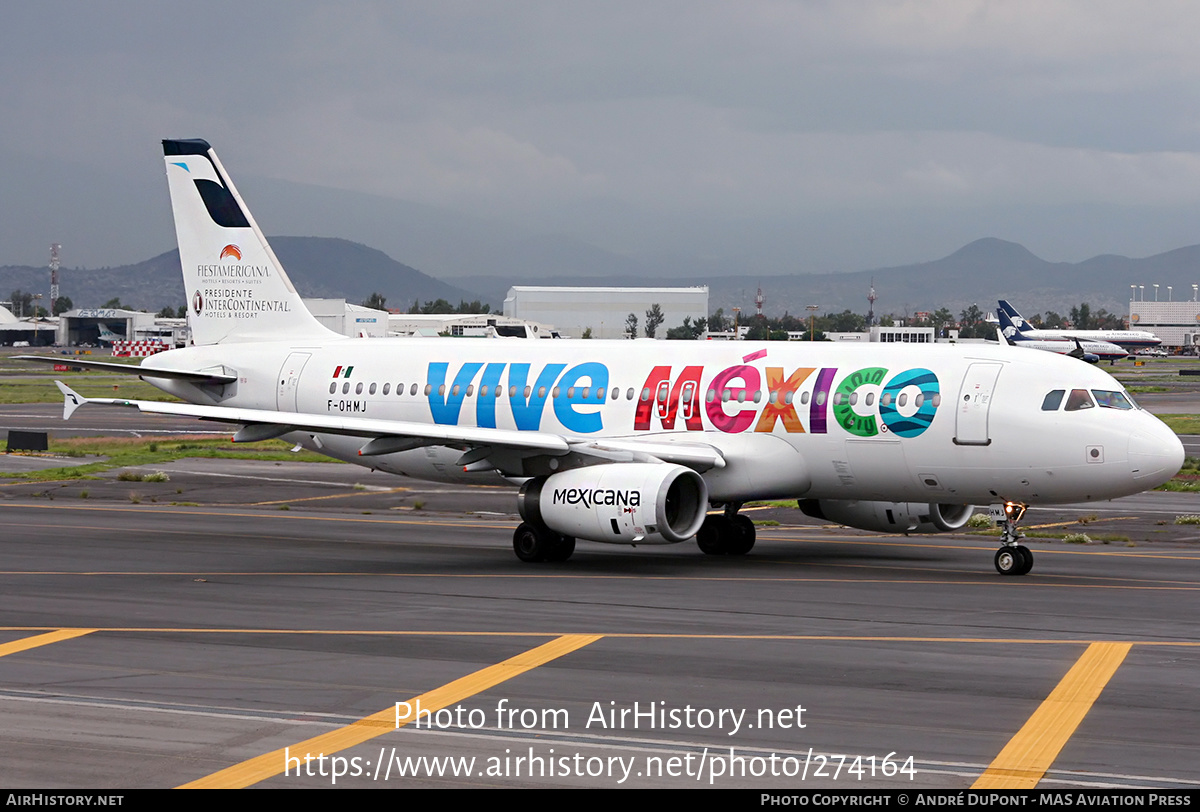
<point x="54" y="246"/>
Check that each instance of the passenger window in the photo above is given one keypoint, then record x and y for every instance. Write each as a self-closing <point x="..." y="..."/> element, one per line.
<point x="1053" y="400"/>
<point x="387" y="387"/>
<point x="1079" y="399"/>
<point x="333" y="387"/>
<point x="371" y="391"/>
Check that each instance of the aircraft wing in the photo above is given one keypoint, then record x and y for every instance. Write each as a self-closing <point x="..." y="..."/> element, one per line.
<point x="130" y="369"/>
<point x="485" y="448"/>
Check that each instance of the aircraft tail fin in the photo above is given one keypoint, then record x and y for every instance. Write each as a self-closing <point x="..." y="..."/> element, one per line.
<point x="1016" y="318"/>
<point x="1007" y="329"/>
<point x="236" y="288"/>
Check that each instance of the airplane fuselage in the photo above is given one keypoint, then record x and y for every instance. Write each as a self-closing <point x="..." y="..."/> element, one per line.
<point x="811" y="420"/>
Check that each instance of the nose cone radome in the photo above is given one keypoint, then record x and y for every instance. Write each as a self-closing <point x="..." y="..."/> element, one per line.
<point x="1155" y="454"/>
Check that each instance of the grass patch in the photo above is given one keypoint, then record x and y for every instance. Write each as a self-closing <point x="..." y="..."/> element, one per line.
<point x="766" y="523"/>
<point x="1187" y="480"/>
<point x="777" y="503"/>
<point x="1181" y="423"/>
<point x="130" y="452"/>
<point x="1138" y="390"/>
<point x="1180" y="485"/>
<point x="42" y="389"/>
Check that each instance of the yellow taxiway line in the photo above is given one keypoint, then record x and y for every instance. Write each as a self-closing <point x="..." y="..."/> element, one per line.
<point x="1030" y="753"/>
<point x="26" y="643"/>
<point x="274" y="763"/>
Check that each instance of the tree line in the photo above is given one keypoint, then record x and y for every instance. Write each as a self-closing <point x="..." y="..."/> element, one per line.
<point x="970" y="323"/>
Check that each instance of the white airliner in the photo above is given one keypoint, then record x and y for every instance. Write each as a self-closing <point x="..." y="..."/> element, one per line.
<point x="631" y="442"/>
<point x="1090" y="351"/>
<point x="1131" y="340"/>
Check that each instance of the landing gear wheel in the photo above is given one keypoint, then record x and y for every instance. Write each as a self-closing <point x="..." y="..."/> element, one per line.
<point x="712" y="538"/>
<point x="1011" y="561"/>
<point x="743" y="542"/>
<point x="1026" y="559"/>
<point x="1013" y="558"/>
<point x="532" y="543"/>
<point x="562" y="549"/>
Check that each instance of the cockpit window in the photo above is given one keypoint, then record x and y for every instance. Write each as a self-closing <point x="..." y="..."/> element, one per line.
<point x="1079" y="399"/>
<point x="1111" y="400"/>
<point x="1053" y="400"/>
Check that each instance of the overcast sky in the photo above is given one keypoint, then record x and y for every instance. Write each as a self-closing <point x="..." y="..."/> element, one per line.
<point x="798" y="135"/>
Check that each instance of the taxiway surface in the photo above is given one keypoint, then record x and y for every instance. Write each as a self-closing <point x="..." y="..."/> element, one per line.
<point x="155" y="645"/>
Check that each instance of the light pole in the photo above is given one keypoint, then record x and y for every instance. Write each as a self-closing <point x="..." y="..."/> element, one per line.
<point x="812" y="316"/>
<point x="37" y="297"/>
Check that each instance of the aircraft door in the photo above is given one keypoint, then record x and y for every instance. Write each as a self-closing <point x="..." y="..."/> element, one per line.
<point x="289" y="381"/>
<point x="974" y="402"/>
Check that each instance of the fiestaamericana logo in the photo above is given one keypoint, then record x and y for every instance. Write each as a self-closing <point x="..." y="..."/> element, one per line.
<point x="231" y="252"/>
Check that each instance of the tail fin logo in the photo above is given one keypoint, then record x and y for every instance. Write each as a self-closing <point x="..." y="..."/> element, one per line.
<point x="197" y="303"/>
<point x="231" y="252"/>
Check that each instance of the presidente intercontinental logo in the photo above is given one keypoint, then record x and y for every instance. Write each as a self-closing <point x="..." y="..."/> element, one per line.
<point x="230" y="291"/>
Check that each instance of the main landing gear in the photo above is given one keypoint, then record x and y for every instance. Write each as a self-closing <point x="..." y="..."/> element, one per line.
<point x="533" y="543"/>
<point x="726" y="533"/>
<point x="1013" y="558"/>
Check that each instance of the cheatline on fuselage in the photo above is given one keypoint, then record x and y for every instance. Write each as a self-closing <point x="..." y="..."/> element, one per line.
<point x="630" y="442"/>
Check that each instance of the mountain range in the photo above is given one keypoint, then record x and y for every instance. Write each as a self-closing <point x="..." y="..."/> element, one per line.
<point x="978" y="273"/>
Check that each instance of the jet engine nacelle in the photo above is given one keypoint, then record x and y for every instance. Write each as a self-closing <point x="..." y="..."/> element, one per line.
<point x="890" y="517"/>
<point x="620" y="503"/>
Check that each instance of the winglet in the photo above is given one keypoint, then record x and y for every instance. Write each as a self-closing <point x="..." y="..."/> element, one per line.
<point x="72" y="400"/>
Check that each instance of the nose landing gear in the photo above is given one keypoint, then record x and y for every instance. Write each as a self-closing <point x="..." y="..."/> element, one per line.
<point x="1013" y="558"/>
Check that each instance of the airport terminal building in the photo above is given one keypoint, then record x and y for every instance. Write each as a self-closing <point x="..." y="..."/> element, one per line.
<point x="1176" y="323"/>
<point x="604" y="310"/>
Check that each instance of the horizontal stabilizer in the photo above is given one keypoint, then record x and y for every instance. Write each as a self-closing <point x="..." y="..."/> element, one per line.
<point x="130" y="369"/>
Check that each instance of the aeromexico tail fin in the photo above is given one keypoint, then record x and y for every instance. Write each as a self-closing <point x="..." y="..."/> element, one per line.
<point x="1016" y="318"/>
<point x="1007" y="328"/>
<point x="236" y="289"/>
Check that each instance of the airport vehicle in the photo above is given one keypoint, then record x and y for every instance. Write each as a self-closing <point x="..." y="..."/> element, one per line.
<point x="1090" y="351"/>
<point x="1131" y="340"/>
<point x="630" y="442"/>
